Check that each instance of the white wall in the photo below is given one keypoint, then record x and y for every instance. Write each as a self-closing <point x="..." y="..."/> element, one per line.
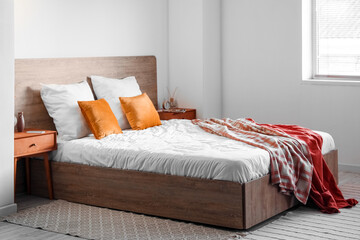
<point x="212" y="83"/>
<point x="7" y="205"/>
<point x="262" y="75"/>
<point x="186" y="52"/>
<point x="194" y="55"/>
<point x="82" y="28"/>
<point x="238" y="58"/>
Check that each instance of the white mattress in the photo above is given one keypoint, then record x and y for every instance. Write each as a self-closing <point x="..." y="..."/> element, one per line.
<point x="177" y="147"/>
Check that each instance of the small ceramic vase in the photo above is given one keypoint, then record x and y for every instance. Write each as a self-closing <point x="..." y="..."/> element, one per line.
<point x="166" y="105"/>
<point x="20" y="122"/>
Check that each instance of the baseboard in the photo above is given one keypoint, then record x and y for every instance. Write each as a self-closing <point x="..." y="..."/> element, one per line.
<point x="8" y="209"/>
<point x="349" y="167"/>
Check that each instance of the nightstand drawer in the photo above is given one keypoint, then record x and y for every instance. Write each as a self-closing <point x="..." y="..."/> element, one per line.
<point x="34" y="145"/>
<point x="186" y="115"/>
<point x="172" y="114"/>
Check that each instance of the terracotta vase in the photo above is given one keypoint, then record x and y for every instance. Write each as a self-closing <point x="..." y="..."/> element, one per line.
<point x="20" y="122"/>
<point x="173" y="103"/>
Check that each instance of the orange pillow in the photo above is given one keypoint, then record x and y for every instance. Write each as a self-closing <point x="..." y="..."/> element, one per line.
<point x="140" y="112"/>
<point x="99" y="117"/>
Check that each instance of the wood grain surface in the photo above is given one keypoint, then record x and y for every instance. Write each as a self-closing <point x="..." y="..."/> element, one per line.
<point x="331" y="160"/>
<point x="220" y="203"/>
<point x="29" y="73"/>
<point x="263" y="200"/>
<point x="198" y="200"/>
<point x="13" y="231"/>
<point x="188" y="114"/>
<point x="32" y="143"/>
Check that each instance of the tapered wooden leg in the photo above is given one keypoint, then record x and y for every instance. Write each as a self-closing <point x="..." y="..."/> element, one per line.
<point x="15" y="166"/>
<point x="48" y="175"/>
<point x="28" y="183"/>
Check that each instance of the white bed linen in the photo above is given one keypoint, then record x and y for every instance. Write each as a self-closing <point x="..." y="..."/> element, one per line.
<point x="177" y="147"/>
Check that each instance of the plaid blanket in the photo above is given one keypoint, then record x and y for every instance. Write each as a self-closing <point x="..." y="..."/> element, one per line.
<point x="290" y="160"/>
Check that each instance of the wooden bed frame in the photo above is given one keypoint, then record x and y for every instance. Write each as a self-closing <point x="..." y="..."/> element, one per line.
<point x="220" y="203"/>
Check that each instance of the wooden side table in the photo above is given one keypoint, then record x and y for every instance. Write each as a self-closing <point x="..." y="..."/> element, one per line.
<point x="177" y="113"/>
<point x="28" y="145"/>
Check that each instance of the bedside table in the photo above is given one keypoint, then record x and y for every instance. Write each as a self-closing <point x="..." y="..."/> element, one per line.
<point x="28" y="145"/>
<point x="189" y="113"/>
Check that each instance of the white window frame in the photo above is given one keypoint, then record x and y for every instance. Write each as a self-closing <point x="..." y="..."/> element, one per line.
<point x="310" y="49"/>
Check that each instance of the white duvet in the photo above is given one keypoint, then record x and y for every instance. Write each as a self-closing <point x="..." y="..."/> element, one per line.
<point x="177" y="147"/>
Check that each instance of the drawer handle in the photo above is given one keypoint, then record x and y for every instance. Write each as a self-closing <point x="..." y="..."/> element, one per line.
<point x="33" y="145"/>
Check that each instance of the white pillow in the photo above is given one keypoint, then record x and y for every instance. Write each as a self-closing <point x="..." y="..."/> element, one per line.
<point x="61" y="104"/>
<point x="111" y="89"/>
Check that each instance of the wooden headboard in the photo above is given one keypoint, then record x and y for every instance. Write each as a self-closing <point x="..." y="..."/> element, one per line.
<point x="29" y="73"/>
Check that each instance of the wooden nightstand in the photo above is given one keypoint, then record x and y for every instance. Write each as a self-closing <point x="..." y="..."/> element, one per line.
<point x="28" y="145"/>
<point x="187" y="113"/>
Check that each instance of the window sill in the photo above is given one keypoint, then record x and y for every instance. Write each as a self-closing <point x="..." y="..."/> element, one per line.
<point x="330" y="82"/>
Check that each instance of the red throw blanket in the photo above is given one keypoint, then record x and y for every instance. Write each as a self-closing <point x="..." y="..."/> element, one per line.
<point x="324" y="190"/>
<point x="295" y="156"/>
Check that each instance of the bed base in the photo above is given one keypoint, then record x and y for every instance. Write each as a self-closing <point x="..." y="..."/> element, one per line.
<point x="214" y="202"/>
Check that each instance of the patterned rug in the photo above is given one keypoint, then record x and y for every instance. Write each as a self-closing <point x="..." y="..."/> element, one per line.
<point x="307" y="223"/>
<point x="100" y="223"/>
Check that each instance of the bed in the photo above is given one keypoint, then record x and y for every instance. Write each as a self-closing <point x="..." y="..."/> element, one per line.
<point x="210" y="201"/>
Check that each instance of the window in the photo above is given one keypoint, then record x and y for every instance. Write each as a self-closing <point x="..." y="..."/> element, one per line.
<point x="336" y="39"/>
